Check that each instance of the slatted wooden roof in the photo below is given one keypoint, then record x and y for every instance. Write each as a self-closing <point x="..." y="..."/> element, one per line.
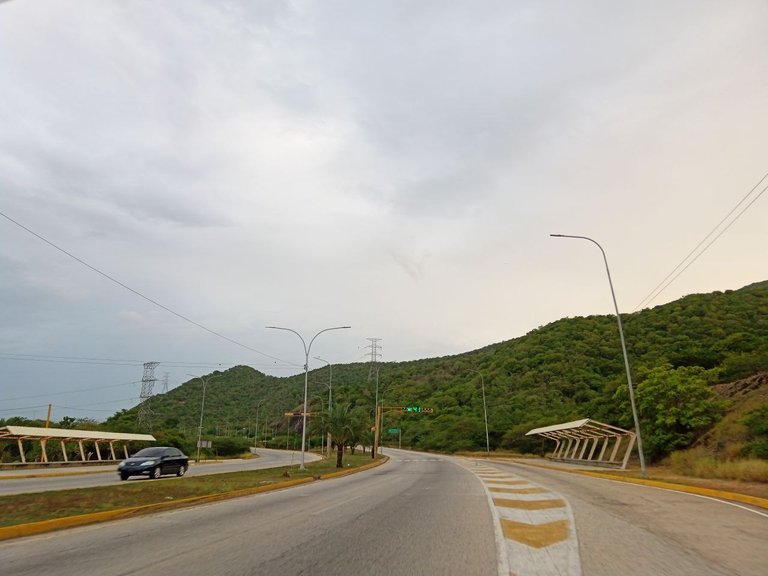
<point x="34" y="433"/>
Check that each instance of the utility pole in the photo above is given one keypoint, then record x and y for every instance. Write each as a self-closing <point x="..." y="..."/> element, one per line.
<point x="147" y="384"/>
<point x="375" y="354"/>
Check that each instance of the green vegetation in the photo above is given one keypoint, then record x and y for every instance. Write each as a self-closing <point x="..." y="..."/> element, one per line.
<point x="700" y="462"/>
<point x="566" y="370"/>
<point x="346" y="427"/>
<point x="676" y="405"/>
<point x="23" y="508"/>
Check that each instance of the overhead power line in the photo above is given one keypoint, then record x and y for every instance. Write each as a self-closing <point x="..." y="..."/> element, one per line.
<point x="706" y="242"/>
<point x="139" y="294"/>
<point x="64" y="393"/>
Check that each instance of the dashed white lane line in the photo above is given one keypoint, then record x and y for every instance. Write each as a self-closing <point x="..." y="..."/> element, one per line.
<point x="536" y="524"/>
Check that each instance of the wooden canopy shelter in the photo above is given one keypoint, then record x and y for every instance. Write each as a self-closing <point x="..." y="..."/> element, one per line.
<point x="577" y="442"/>
<point x="63" y="435"/>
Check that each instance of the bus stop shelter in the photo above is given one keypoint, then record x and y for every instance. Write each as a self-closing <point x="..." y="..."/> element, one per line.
<point x="578" y="441"/>
<point x="98" y="438"/>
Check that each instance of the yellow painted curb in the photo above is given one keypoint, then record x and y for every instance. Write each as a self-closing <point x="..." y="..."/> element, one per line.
<point x="83" y="472"/>
<point x="711" y="492"/>
<point x="372" y="464"/>
<point x="743" y="498"/>
<point x="56" y="474"/>
<point x="20" y="530"/>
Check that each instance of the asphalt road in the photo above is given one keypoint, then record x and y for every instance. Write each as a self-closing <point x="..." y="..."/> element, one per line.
<point x="629" y="530"/>
<point x="417" y="514"/>
<point x="13" y="482"/>
<point x="421" y="515"/>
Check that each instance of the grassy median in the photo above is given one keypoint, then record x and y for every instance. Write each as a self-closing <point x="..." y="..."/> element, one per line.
<point x="24" y="508"/>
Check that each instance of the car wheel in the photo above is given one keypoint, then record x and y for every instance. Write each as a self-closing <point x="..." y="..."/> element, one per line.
<point x="124" y="476"/>
<point x="181" y="471"/>
<point x="156" y="472"/>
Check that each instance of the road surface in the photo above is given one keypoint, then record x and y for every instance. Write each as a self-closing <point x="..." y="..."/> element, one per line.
<point x="422" y="514"/>
<point x="630" y="530"/>
<point x="13" y="482"/>
<point x="417" y="514"/>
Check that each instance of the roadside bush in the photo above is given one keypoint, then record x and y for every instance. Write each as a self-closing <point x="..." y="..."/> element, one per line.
<point x="698" y="463"/>
<point x="230" y="446"/>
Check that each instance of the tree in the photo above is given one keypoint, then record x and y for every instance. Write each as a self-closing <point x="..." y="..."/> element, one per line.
<point x="340" y="424"/>
<point x="674" y="405"/>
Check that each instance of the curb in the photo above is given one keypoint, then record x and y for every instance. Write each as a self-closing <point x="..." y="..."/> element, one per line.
<point x="80" y="473"/>
<point x="55" y="474"/>
<point x="32" y="528"/>
<point x="699" y="491"/>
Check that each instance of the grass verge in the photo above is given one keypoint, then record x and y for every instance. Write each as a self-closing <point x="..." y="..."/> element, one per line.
<point x="35" y="507"/>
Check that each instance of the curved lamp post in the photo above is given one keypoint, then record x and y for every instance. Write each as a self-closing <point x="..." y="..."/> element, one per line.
<point x="485" y="410"/>
<point x="306" y="380"/>
<point x="377" y="422"/>
<point x="623" y="349"/>
<point x="256" y="432"/>
<point x="330" y="394"/>
<point x="202" y="406"/>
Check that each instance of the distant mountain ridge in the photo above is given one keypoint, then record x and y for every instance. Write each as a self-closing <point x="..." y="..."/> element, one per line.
<point x="565" y="370"/>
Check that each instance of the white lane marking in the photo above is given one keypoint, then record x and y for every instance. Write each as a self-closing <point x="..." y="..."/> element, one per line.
<point x="728" y="502"/>
<point x="528" y="555"/>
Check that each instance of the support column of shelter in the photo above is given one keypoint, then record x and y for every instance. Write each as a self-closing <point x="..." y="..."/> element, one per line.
<point x="64" y="451"/>
<point x="594" y="445"/>
<point x="615" y="449"/>
<point x="629" y="450"/>
<point x="21" y="451"/>
<point x="602" y="450"/>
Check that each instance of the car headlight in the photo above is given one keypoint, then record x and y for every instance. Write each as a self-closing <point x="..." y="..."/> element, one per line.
<point x="120" y="465"/>
<point x="147" y="463"/>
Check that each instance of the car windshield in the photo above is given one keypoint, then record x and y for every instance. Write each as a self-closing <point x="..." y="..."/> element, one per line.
<point x="148" y="452"/>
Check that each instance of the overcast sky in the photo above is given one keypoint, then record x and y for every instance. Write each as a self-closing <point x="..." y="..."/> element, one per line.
<point x="393" y="166"/>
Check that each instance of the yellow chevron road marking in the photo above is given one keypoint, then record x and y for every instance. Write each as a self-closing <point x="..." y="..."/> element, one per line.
<point x="518" y="490"/>
<point x="536" y="535"/>
<point x="529" y="504"/>
<point x="535" y="526"/>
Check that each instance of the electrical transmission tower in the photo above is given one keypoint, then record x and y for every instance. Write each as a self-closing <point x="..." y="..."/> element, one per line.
<point x="375" y="354"/>
<point x="165" y="381"/>
<point x="147" y="384"/>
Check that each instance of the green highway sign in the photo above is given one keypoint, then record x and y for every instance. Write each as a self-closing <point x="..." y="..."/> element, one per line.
<point x="394" y="430"/>
<point x="419" y="409"/>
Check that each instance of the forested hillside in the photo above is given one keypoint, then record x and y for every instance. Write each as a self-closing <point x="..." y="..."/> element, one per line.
<point x="569" y="369"/>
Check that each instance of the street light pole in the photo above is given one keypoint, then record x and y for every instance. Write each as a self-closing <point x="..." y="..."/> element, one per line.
<point x="330" y="380"/>
<point x="623" y="349"/>
<point x="330" y="395"/>
<point x="376" y="418"/>
<point x="306" y="380"/>
<point x="202" y="407"/>
<point x="256" y="433"/>
<point x="485" y="411"/>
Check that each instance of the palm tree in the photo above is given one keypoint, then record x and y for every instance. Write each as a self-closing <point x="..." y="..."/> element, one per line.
<point x="340" y="424"/>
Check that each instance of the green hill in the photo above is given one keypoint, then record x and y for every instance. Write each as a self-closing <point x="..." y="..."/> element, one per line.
<point x="569" y="369"/>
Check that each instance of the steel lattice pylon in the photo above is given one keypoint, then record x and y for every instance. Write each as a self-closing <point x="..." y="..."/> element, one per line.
<point x="147" y="385"/>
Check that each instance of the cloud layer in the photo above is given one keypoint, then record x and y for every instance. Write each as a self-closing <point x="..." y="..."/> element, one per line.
<point x="393" y="166"/>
